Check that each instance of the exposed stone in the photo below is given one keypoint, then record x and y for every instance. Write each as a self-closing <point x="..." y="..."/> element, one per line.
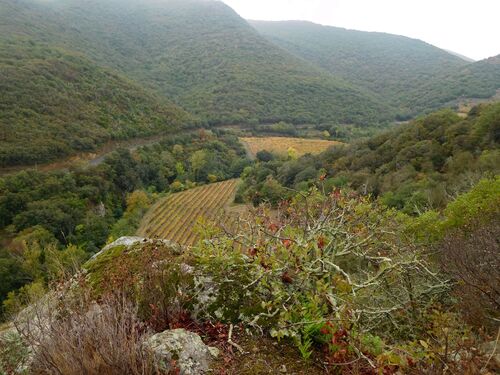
<point x="186" y="269"/>
<point x="131" y="241"/>
<point x="184" y="349"/>
<point x="206" y="291"/>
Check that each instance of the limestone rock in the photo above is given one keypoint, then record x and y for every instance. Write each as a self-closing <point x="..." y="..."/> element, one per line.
<point x="190" y="354"/>
<point x="131" y="241"/>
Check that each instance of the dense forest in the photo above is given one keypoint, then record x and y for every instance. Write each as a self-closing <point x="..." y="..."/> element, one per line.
<point x="411" y="75"/>
<point x="54" y="103"/>
<point x="200" y="54"/>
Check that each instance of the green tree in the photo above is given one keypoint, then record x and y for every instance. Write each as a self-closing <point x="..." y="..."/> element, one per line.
<point x="198" y="161"/>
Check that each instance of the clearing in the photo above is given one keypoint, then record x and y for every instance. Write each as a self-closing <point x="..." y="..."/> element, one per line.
<point x="280" y="145"/>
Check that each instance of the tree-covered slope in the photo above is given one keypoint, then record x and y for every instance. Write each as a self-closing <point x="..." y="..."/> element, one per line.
<point x="55" y="103"/>
<point x="202" y="55"/>
<point x="476" y="80"/>
<point x="417" y="166"/>
<point x="410" y="74"/>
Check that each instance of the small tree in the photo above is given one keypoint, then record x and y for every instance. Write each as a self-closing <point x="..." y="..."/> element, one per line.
<point x="292" y="153"/>
<point x="321" y="260"/>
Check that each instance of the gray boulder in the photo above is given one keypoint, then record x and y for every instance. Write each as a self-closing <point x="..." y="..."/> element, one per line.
<point x="186" y="349"/>
<point x="130" y="241"/>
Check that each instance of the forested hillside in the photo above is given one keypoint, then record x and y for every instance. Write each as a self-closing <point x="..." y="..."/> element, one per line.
<point x="200" y="54"/>
<point x="410" y="74"/>
<point x="208" y="60"/>
<point x="477" y="80"/>
<point x="55" y="103"/>
<point x="415" y="167"/>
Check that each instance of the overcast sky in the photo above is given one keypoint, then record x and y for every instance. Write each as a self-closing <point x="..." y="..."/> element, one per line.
<point x="469" y="27"/>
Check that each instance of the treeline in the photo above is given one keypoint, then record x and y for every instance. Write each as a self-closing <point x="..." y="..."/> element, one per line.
<point x="81" y="209"/>
<point x="415" y="167"/>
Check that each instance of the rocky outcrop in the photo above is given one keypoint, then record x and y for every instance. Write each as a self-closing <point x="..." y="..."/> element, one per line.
<point x="131" y="241"/>
<point x="182" y="350"/>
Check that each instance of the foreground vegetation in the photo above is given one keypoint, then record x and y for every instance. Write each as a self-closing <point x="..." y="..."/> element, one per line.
<point x="349" y="282"/>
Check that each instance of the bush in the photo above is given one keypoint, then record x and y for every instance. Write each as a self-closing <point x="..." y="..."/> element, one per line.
<point x="321" y="260"/>
<point x="14" y="356"/>
<point x="473" y="260"/>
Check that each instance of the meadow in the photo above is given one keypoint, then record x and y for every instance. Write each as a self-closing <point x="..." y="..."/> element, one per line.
<point x="281" y="145"/>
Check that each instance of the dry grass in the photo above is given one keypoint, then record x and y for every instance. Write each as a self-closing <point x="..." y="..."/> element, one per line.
<point x="81" y="336"/>
<point x="280" y="145"/>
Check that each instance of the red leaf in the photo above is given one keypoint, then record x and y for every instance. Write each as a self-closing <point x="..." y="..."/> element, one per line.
<point x="286" y="278"/>
<point x="321" y="242"/>
<point x="273" y="227"/>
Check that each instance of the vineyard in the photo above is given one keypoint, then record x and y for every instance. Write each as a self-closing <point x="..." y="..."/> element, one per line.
<point x="281" y="145"/>
<point x="175" y="217"/>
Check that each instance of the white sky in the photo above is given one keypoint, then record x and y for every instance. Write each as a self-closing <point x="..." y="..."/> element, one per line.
<point x="469" y="27"/>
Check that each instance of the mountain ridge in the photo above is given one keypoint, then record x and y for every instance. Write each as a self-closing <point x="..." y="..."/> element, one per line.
<point x="398" y="68"/>
<point x="210" y="61"/>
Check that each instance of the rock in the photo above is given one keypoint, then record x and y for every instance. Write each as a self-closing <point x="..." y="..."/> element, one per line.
<point x="206" y="291"/>
<point x="190" y="354"/>
<point x="131" y="241"/>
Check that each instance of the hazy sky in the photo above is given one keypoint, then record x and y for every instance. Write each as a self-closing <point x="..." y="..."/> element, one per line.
<point x="469" y="27"/>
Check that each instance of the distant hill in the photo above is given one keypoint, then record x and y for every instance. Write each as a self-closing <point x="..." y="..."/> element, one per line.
<point x="463" y="57"/>
<point x="203" y="56"/>
<point x="478" y="80"/>
<point x="54" y="103"/>
<point x="411" y="75"/>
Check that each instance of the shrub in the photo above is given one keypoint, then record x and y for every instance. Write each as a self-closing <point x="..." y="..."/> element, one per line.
<point x="14" y="356"/>
<point x="473" y="259"/>
<point x="322" y="259"/>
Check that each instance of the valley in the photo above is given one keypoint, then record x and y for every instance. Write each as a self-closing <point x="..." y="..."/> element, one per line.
<point x="186" y="191"/>
<point x="91" y="159"/>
